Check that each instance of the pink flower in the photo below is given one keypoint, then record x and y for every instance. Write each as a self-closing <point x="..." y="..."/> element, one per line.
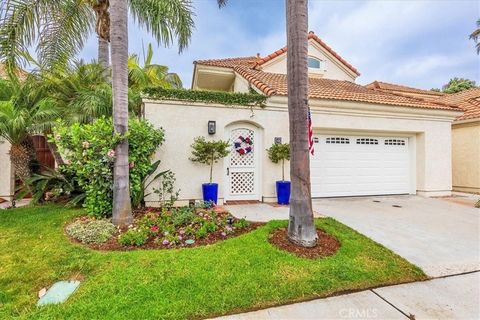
<point x="154" y="229"/>
<point x="180" y="238"/>
<point x="224" y="234"/>
<point x="111" y="153"/>
<point x="182" y="232"/>
<point x="165" y="242"/>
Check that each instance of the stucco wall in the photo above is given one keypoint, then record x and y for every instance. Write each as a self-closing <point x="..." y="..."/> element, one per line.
<point x="6" y="174"/>
<point x="466" y="157"/>
<point x="182" y="122"/>
<point x="333" y="69"/>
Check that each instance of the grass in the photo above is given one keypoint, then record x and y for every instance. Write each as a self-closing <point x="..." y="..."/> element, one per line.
<point x="236" y="275"/>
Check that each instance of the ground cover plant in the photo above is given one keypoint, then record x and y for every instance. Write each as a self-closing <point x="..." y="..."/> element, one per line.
<point x="155" y="228"/>
<point x="239" y="274"/>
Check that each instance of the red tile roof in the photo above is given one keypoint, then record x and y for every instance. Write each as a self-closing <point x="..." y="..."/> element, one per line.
<point x="320" y="88"/>
<point x="379" y="85"/>
<point x="311" y="35"/>
<point x="468" y="100"/>
<point x="229" y="62"/>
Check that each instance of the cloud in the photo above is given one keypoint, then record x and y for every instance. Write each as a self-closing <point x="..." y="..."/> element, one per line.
<point x="420" y="43"/>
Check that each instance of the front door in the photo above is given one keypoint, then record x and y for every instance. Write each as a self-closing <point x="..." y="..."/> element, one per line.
<point x="242" y="165"/>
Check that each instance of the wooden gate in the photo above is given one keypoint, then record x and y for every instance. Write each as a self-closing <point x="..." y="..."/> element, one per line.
<point x="43" y="153"/>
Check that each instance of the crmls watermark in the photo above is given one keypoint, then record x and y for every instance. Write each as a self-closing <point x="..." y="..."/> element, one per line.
<point x="355" y="313"/>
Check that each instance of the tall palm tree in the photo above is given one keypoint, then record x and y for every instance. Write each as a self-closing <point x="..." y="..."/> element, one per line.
<point x="24" y="110"/>
<point x="61" y="27"/>
<point x="301" y="227"/>
<point x="122" y="211"/>
<point x="475" y="35"/>
<point x="122" y="208"/>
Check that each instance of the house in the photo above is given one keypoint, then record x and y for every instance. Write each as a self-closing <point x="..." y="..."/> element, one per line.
<point x="368" y="141"/>
<point x="466" y="141"/>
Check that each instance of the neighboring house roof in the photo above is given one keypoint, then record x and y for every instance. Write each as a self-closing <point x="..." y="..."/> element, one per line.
<point x="229" y="62"/>
<point x="468" y="100"/>
<point x="321" y="88"/>
<point x="379" y="85"/>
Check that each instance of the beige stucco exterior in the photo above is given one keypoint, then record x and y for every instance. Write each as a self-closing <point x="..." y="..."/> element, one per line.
<point x="429" y="133"/>
<point x="6" y="171"/>
<point x="466" y="156"/>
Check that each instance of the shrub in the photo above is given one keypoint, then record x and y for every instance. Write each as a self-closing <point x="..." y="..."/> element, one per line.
<point x="91" y="231"/>
<point x="134" y="237"/>
<point x="89" y="150"/>
<point x="242" y="223"/>
<point x="182" y="216"/>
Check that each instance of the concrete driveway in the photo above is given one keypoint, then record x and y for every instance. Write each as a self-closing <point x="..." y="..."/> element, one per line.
<point x="441" y="237"/>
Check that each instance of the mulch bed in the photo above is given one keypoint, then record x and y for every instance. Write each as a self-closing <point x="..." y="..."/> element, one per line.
<point x="327" y="245"/>
<point x="113" y="245"/>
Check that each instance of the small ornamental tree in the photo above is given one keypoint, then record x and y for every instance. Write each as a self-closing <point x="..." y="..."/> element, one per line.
<point x="209" y="152"/>
<point x="279" y="152"/>
<point x="89" y="151"/>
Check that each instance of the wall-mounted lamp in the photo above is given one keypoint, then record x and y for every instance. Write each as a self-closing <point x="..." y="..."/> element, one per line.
<point x="212" y="127"/>
<point x="277" y="140"/>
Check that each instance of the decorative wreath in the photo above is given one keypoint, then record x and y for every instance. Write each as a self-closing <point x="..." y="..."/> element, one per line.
<point x="243" y="145"/>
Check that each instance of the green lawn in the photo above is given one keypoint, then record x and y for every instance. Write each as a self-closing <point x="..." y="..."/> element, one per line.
<point x="236" y="275"/>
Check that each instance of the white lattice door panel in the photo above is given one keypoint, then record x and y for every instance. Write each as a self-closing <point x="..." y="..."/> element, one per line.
<point x="242" y="171"/>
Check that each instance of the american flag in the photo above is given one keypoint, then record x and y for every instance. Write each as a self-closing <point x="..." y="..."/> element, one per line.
<point x="310" y="133"/>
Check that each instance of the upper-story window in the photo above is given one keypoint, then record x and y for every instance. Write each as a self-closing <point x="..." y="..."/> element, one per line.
<point x="315" y="63"/>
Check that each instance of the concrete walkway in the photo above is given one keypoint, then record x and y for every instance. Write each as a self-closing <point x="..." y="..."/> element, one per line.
<point x="261" y="212"/>
<point x="454" y="297"/>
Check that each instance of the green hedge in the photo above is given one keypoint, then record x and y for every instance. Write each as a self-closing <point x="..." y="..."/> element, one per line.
<point x="226" y="98"/>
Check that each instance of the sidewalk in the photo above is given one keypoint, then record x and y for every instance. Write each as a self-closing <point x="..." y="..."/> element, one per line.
<point x="453" y="297"/>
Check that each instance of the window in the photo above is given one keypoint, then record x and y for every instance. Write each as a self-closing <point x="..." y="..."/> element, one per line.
<point x="367" y="141"/>
<point x="394" y="142"/>
<point x="314" y="63"/>
<point x="338" y="140"/>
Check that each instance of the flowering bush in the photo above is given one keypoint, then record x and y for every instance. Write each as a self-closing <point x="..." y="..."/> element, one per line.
<point x="90" y="152"/>
<point x="133" y="237"/>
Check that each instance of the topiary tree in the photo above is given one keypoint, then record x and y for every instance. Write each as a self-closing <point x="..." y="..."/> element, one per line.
<point x="279" y="152"/>
<point x="209" y="152"/>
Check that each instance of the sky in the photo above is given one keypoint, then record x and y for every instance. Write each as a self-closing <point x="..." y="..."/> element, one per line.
<point x="417" y="43"/>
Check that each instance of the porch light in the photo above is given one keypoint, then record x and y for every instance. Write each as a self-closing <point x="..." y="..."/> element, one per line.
<point x="230" y="220"/>
<point x="212" y="126"/>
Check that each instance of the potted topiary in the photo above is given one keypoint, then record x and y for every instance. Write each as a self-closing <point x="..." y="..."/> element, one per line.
<point x="209" y="152"/>
<point x="276" y="153"/>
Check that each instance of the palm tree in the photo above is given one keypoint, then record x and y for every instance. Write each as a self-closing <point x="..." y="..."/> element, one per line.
<point x="122" y="208"/>
<point x="24" y="110"/>
<point x="301" y="227"/>
<point x="122" y="211"/>
<point x="61" y="27"/>
<point x="475" y="35"/>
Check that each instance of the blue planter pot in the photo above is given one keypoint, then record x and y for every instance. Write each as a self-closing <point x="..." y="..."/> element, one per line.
<point x="283" y="192"/>
<point x="210" y="192"/>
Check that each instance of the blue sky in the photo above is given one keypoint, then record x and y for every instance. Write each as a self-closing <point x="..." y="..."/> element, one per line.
<point x="417" y="43"/>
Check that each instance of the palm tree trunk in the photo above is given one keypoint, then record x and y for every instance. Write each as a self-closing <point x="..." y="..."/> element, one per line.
<point x="102" y="28"/>
<point x="20" y="158"/>
<point x="122" y="208"/>
<point x="103" y="53"/>
<point x="301" y="227"/>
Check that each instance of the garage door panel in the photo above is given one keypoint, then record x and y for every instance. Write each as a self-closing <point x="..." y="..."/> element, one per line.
<point x="360" y="165"/>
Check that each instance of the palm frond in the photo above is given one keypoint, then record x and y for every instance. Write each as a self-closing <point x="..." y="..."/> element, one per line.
<point x="165" y="19"/>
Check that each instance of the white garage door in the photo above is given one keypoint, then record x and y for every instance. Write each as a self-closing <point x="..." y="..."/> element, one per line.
<point x="360" y="166"/>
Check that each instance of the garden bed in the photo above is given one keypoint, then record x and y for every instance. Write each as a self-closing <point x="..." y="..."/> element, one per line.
<point x="326" y="246"/>
<point x="155" y="228"/>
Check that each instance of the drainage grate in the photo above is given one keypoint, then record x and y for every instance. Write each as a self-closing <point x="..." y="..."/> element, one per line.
<point x="396" y="206"/>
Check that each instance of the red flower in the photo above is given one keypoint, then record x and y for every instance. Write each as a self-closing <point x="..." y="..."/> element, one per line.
<point x="241" y="151"/>
<point x="154" y="229"/>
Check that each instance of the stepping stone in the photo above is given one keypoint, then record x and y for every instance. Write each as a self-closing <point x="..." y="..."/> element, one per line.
<point x="59" y="292"/>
